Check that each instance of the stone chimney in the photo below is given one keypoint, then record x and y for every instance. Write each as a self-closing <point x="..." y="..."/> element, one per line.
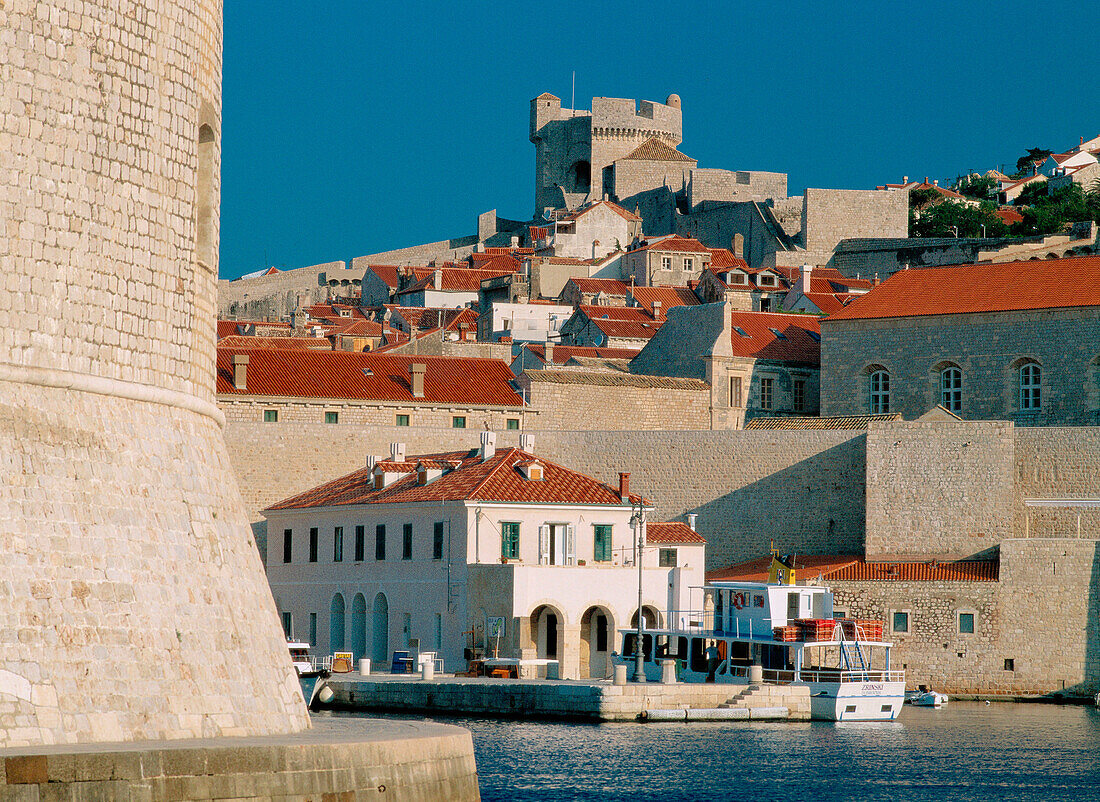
<point x="624" y="486"/>
<point x="549" y="353"/>
<point x="515" y="242"/>
<point x="371" y="462"/>
<point x="691" y="519"/>
<point x="397" y="452"/>
<point x="595" y="248"/>
<point x="527" y="443"/>
<point x="437" y="278"/>
<point x="240" y="371"/>
<point x="488" y="445"/>
<point x="805" y="274"/>
<point x="905" y="179"/>
<point x="739" y="246"/>
<point x="416" y="376"/>
<point x="656" y="310"/>
<point x="463" y="331"/>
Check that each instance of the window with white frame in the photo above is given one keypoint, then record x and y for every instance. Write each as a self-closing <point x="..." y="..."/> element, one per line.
<point x="689" y="263"/>
<point x="880" y="392"/>
<point x="666" y="263"/>
<point x="767" y="386"/>
<point x="951" y="381"/>
<point x="1031" y="379"/>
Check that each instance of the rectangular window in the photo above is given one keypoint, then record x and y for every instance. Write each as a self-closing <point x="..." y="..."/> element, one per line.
<point x="900" y="621"/>
<point x="880" y="392"/>
<point x="1010" y="664"/>
<point x="966" y="623"/>
<point x="332" y="417"/>
<point x="313" y="629"/>
<point x="799" y="395"/>
<point x="601" y="543"/>
<point x="689" y="263"/>
<point x="313" y="545"/>
<point x="380" y="542"/>
<point x="407" y="542"/>
<point x="288" y="544"/>
<point x="735" y="391"/>
<point x="402" y="420"/>
<point x="509" y="539"/>
<point x="288" y="629"/>
<point x="666" y="558"/>
<point x="438" y="631"/>
<point x="458" y="422"/>
<point x="271" y="416"/>
<point x="1031" y="387"/>
<point x="666" y="263"/>
<point x="513" y="423"/>
<point x="437" y="541"/>
<point x="766" y="304"/>
<point x="360" y="545"/>
<point x="766" y="386"/>
<point x="338" y="544"/>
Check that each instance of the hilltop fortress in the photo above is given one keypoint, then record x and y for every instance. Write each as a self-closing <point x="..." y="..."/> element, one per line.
<point x="626" y="151"/>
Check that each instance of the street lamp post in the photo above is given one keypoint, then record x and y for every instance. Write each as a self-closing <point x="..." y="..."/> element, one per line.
<point x="639" y="526"/>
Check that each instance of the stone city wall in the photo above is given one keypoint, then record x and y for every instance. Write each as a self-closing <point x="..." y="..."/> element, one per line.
<point x="831" y="215"/>
<point x="804" y="490"/>
<point x="277" y="296"/>
<point x="561" y="407"/>
<point x="711" y="184"/>
<point x="292" y="411"/>
<point x="938" y="490"/>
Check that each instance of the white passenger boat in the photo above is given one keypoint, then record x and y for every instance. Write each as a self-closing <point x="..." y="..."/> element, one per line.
<point x="926" y="698"/>
<point x="787" y="630"/>
<point x="306" y="664"/>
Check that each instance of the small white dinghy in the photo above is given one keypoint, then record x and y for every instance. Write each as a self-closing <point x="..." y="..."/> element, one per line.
<point x="925" y="698"/>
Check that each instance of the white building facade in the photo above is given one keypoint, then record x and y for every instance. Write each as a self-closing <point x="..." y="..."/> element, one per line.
<point x="482" y="553"/>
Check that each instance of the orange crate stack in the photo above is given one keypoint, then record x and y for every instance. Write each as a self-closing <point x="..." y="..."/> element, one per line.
<point x="813" y="629"/>
<point x="869" y="628"/>
<point x="787" y="633"/>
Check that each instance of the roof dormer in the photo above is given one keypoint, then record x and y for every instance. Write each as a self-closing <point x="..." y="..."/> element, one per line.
<point x="387" y="472"/>
<point x="531" y="469"/>
<point x="427" y="472"/>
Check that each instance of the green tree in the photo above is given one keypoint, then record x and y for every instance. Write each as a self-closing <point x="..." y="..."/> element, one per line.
<point x="1054" y="212"/>
<point x="951" y="218"/>
<point x="1024" y="163"/>
<point x="979" y="187"/>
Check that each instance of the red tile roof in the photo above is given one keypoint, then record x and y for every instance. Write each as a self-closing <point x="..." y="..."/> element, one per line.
<point x="563" y="353"/>
<point x="454" y="279"/>
<point x="430" y="317"/>
<point x="610" y="286"/>
<point x="723" y="258"/>
<point x="497" y="479"/>
<point x="230" y="327"/>
<point x="656" y="150"/>
<point x="1009" y="217"/>
<point x="852" y="568"/>
<point x="675" y="244"/>
<point x="387" y="273"/>
<point x="668" y="297"/>
<point x="625" y="322"/>
<point x="616" y="208"/>
<point x="240" y="341"/>
<point x="504" y="262"/>
<point x="377" y="377"/>
<point x="672" y="532"/>
<point x="964" y="289"/>
<point x="801" y="340"/>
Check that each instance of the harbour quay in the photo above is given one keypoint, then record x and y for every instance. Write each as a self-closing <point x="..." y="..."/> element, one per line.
<point x="586" y="700"/>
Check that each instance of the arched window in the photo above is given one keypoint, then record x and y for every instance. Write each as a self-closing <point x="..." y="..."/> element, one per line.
<point x="581" y="174"/>
<point x="1031" y="395"/>
<point x="880" y="392"/>
<point x="951" y="382"/>
<point x="206" y="201"/>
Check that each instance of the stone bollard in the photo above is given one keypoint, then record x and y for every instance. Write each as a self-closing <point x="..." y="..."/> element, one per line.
<point x="756" y="674"/>
<point x="620" y="674"/>
<point x="668" y="672"/>
<point x="427" y="669"/>
<point x="364" y="667"/>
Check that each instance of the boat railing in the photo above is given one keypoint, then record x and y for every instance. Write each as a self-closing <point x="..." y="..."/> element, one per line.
<point x="836" y="675"/>
<point x="321" y="663"/>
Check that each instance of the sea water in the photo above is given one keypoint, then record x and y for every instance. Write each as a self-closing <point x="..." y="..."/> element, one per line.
<point x="965" y="751"/>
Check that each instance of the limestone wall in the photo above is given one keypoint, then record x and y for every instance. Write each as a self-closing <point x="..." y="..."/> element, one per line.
<point x="830" y="215"/>
<point x="709" y="184"/>
<point x="938" y="490"/>
<point x="803" y="489"/>
<point x="558" y="407"/>
<point x="280" y="294"/>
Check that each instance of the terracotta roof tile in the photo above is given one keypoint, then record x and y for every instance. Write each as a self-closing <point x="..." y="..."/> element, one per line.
<point x="852" y="422"/>
<point x="616" y="208"/>
<point x="798" y="338"/>
<point x="668" y="297"/>
<point x="610" y="286"/>
<point x="369" y="376"/>
<point x="964" y="289"/>
<point x="675" y="244"/>
<point x="496" y="479"/>
<point x="424" y="318"/>
<point x="672" y="532"/>
<point x="655" y="149"/>
<point x="273" y="343"/>
<point x="610" y="379"/>
<point x="852" y="568"/>
<point x="563" y="353"/>
<point x="723" y="258"/>
<point x="230" y="327"/>
<point x="454" y="279"/>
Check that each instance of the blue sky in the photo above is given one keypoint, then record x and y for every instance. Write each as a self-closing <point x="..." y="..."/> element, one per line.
<point x="351" y="128"/>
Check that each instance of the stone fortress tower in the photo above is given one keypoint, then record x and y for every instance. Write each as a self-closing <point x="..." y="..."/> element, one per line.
<point x="575" y="149"/>
<point x="132" y="603"/>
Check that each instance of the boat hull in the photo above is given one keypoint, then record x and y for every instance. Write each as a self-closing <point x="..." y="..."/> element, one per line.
<point x="856" y="701"/>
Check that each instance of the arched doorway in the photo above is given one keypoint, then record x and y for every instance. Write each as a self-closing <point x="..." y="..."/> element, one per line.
<point x="597" y="642"/>
<point x="652" y="617"/>
<point x="359" y="626"/>
<point x="380" y="630"/>
<point x="336" y="624"/>
<point x="547" y="625"/>
<point x="581" y="175"/>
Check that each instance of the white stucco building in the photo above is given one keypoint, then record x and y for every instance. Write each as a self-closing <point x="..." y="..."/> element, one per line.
<point x="529" y="322"/>
<point x="446" y="548"/>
